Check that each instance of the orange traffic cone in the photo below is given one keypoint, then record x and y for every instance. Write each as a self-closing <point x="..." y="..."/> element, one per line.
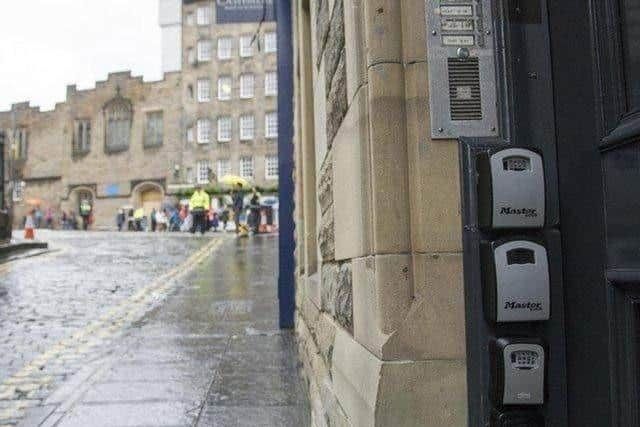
<point x="29" y="233"/>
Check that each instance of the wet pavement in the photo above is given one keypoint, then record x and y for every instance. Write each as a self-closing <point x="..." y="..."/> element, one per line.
<point x="146" y="330"/>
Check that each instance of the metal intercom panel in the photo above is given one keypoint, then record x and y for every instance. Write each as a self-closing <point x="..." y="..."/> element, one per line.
<point x="462" y="72"/>
<point x="516" y="281"/>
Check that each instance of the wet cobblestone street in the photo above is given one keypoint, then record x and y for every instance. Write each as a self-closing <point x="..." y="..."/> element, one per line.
<point x="146" y="329"/>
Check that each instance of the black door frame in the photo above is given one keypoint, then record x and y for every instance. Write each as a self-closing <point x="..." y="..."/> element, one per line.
<point x="565" y="95"/>
<point x="601" y="313"/>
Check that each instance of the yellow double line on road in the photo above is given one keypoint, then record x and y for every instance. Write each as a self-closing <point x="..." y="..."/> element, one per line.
<point x="21" y="389"/>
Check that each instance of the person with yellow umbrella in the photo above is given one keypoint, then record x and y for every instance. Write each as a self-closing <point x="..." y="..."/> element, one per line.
<point x="233" y="181"/>
<point x="238" y="184"/>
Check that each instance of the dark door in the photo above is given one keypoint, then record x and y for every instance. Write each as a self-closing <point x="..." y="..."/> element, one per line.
<point x="596" y="62"/>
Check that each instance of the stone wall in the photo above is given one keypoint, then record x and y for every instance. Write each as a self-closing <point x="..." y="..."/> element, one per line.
<point x="380" y="323"/>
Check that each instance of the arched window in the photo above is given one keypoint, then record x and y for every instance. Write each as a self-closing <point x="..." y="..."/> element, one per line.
<point x="118" y="115"/>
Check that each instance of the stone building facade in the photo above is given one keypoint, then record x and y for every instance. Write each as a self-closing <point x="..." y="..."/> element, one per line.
<point x="229" y="92"/>
<point x="127" y="142"/>
<point x="380" y="318"/>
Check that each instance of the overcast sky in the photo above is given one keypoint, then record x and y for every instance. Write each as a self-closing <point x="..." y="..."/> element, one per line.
<point x="47" y="44"/>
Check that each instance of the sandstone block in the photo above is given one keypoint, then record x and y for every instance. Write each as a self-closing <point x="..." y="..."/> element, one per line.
<point x="325" y="336"/>
<point x="389" y="160"/>
<point x="308" y="309"/>
<point x="355" y="47"/>
<point x="300" y="288"/>
<point x="332" y="4"/>
<point x="325" y="407"/>
<point x="434" y="177"/>
<point x="323" y="22"/>
<point x="320" y="122"/>
<point x="299" y="251"/>
<point x="335" y="44"/>
<point x="343" y="299"/>
<point x="337" y="103"/>
<point x="329" y="282"/>
<point x="383" y="20"/>
<point x="429" y="393"/>
<point x="326" y="237"/>
<point x="414" y="29"/>
<point x="351" y="169"/>
<point x="325" y="184"/>
<point x="410" y="308"/>
<point x="316" y="5"/>
<point x="408" y="393"/>
<point x="337" y="293"/>
<point x="434" y="327"/>
<point x="313" y="291"/>
<point x="382" y="297"/>
<point x="308" y="354"/>
<point x="355" y="372"/>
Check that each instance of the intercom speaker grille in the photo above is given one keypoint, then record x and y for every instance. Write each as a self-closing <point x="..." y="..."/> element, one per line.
<point x="464" y="89"/>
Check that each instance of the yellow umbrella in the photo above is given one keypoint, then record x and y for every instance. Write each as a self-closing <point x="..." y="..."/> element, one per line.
<point x="234" y="180"/>
<point x="34" y="202"/>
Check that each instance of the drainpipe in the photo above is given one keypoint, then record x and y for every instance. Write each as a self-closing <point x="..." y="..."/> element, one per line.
<point x="286" y="279"/>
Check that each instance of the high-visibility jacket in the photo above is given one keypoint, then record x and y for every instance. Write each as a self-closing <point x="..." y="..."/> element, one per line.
<point x="85" y="208"/>
<point x="199" y="200"/>
<point x="138" y="213"/>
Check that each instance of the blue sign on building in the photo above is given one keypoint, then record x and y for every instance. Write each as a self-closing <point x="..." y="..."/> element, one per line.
<point x="234" y="11"/>
<point x="112" y="190"/>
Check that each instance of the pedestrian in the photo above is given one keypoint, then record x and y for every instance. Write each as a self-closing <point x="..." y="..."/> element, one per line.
<point x="65" y="220"/>
<point x="161" y="220"/>
<point x="199" y="205"/>
<point x="37" y="217"/>
<point x="174" y="221"/>
<point x="73" y="218"/>
<point x="154" y="220"/>
<point x="85" y="213"/>
<point x="210" y="215"/>
<point x="138" y="216"/>
<point x="131" y="222"/>
<point x="187" y="223"/>
<point x="49" y="218"/>
<point x="254" y="216"/>
<point x="215" y="221"/>
<point x="120" y="219"/>
<point x="224" y="217"/>
<point x="238" y="205"/>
